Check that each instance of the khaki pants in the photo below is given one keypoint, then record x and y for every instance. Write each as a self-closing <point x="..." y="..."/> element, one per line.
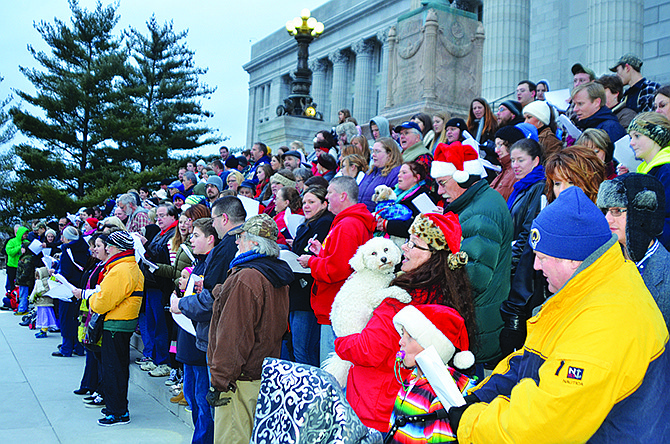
<point x="234" y="421"/>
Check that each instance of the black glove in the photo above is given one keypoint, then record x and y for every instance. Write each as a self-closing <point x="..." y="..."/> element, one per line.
<point x="455" y="413"/>
<point x="215" y="399"/>
<point x="511" y="339"/>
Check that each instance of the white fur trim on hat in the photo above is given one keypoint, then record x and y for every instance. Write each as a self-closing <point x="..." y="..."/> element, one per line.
<point x="470" y="168"/>
<point x="441" y="169"/>
<point x="419" y="327"/>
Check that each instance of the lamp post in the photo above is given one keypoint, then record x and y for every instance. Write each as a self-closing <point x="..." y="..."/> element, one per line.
<point x="299" y="103"/>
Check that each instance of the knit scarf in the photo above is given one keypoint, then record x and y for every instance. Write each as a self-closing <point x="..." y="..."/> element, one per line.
<point x="247" y="256"/>
<point x="662" y="157"/>
<point x="405" y="193"/>
<point x="536" y="175"/>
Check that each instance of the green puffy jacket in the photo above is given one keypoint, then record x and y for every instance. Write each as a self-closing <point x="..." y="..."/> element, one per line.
<point x="13" y="247"/>
<point x="487" y="238"/>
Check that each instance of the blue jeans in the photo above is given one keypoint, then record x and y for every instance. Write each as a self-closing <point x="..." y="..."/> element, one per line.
<point x="196" y="385"/>
<point x="147" y="340"/>
<point x="67" y="318"/>
<point x="157" y="326"/>
<point x="24" y="292"/>
<point x="305" y="333"/>
<point x="327" y="341"/>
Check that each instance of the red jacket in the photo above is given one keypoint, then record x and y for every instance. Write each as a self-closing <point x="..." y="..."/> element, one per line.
<point x="371" y="385"/>
<point x="351" y="228"/>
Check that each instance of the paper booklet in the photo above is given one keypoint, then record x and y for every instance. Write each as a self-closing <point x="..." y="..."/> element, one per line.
<point x="439" y="378"/>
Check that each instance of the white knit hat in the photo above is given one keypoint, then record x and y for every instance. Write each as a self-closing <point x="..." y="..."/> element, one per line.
<point x="540" y="110"/>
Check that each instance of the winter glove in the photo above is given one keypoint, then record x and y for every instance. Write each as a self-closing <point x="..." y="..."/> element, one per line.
<point x="455" y="413"/>
<point x="511" y="340"/>
<point x="215" y="399"/>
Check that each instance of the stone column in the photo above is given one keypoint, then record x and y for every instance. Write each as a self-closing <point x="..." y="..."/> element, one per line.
<point x="319" y="87"/>
<point x="392" y="66"/>
<point x="252" y="117"/>
<point x="507" y="24"/>
<point x="340" y="59"/>
<point x="430" y="55"/>
<point x="364" y="78"/>
<point x="382" y="36"/>
<point x="615" y="28"/>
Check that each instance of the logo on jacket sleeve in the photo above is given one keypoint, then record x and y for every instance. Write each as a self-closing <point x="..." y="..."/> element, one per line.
<point x="575" y="373"/>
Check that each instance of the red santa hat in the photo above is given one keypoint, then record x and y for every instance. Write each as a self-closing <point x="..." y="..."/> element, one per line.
<point x="456" y="160"/>
<point x="439" y="326"/>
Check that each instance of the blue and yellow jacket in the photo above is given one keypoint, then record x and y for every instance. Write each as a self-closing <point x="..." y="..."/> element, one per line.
<point x="594" y="366"/>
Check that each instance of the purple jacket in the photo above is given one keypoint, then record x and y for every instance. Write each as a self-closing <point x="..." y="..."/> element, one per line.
<point x="371" y="181"/>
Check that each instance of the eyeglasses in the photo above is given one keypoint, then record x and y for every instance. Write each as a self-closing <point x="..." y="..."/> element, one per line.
<point x="615" y="212"/>
<point x="411" y="245"/>
<point x="216" y="216"/>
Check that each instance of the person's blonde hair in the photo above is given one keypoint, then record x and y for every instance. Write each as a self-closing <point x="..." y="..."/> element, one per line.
<point x="356" y="160"/>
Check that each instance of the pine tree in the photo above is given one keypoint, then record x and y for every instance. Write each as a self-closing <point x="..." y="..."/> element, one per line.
<point x="74" y="92"/>
<point x="163" y="95"/>
<point x="7" y="128"/>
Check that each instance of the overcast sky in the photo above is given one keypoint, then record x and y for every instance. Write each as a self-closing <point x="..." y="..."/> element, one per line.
<point x="220" y="33"/>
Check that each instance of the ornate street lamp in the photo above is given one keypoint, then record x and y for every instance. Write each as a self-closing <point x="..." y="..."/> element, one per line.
<point x="299" y="103"/>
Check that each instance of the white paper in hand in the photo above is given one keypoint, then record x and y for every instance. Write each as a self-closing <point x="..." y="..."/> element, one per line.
<point x="36" y="246"/>
<point x="439" y="378"/>
<point x="292" y="260"/>
<point x="423" y="203"/>
<point x="251" y="206"/>
<point x="570" y="127"/>
<point x="558" y="98"/>
<point x="625" y="155"/>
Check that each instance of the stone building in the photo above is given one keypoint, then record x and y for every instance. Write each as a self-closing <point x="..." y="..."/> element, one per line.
<point x="522" y="39"/>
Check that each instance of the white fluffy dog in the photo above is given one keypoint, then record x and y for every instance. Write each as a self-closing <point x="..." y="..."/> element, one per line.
<point x="366" y="288"/>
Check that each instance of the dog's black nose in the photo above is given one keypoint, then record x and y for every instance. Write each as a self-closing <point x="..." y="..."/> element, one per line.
<point x="383" y="259"/>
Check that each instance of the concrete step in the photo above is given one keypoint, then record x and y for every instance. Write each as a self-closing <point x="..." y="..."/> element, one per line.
<point x="155" y="387"/>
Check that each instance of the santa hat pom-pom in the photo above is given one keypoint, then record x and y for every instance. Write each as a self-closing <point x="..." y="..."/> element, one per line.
<point x="464" y="360"/>
<point x="461" y="176"/>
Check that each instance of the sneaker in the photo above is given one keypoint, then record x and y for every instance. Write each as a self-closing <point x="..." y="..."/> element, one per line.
<point x="20" y="313"/>
<point x="98" y="402"/>
<point x="148" y="366"/>
<point x="41" y="334"/>
<point x="111" y="420"/>
<point x="54" y="330"/>
<point x="173" y="378"/>
<point x="83" y="391"/>
<point x="160" y="371"/>
<point x="188" y="408"/>
<point x="90" y="398"/>
<point x="143" y="360"/>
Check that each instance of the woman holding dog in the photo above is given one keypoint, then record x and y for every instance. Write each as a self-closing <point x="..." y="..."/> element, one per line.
<point x="434" y="273"/>
<point x="411" y="185"/>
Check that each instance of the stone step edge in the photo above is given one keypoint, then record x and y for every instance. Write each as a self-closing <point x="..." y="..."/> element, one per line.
<point x="154" y="387"/>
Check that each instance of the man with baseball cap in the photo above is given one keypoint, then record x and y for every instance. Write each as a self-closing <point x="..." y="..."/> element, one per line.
<point x="411" y="141"/>
<point x="640" y="95"/>
<point x="249" y="318"/>
<point x="594" y="366"/>
<point x="487" y="239"/>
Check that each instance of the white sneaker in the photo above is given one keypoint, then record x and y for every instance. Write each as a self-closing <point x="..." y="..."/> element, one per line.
<point x="147" y="367"/>
<point x="160" y="371"/>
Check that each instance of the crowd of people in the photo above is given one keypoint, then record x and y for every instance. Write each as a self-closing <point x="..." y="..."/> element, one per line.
<point x="535" y="259"/>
